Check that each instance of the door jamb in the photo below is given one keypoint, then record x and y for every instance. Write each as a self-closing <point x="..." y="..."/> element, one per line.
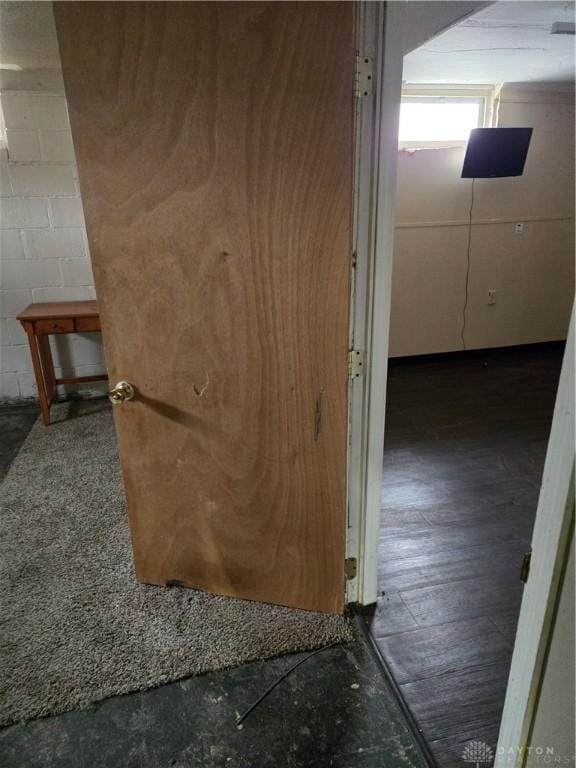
<point x="380" y="33"/>
<point x="379" y="37"/>
<point x="550" y="539"/>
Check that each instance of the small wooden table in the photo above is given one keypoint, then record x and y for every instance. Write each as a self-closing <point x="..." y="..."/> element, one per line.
<point x="41" y="320"/>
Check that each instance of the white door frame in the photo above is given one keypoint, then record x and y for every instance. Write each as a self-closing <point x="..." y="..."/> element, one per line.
<point x="382" y="29"/>
<point x="554" y="519"/>
<point x="380" y="39"/>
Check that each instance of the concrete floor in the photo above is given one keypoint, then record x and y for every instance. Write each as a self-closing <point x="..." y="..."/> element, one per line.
<point x="336" y="709"/>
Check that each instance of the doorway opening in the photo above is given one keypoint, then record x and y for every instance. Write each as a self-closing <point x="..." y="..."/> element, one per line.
<point x="482" y="288"/>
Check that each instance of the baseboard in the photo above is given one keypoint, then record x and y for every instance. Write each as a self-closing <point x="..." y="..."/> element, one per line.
<point x="537" y="348"/>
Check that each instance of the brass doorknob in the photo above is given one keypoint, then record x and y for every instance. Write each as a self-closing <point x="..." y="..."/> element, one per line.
<point x="121" y="392"/>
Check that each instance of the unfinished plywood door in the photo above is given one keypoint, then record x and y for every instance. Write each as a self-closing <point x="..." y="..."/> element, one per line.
<point x="214" y="149"/>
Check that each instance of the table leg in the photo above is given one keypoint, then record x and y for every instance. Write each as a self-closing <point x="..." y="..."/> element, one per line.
<point x="38" y="373"/>
<point x="47" y="366"/>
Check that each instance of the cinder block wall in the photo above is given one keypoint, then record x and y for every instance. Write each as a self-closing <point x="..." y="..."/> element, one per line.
<point x="43" y="248"/>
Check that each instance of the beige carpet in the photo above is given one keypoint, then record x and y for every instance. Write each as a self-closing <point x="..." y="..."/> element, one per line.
<point x="75" y="625"/>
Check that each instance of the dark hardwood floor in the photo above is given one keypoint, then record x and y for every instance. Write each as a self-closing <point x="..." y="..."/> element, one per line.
<point x="464" y="451"/>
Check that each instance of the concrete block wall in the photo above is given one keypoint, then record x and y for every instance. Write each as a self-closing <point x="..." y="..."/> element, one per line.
<point x="532" y="271"/>
<point x="43" y="248"/>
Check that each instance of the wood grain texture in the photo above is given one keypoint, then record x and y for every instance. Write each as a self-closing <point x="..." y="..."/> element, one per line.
<point x="463" y="701"/>
<point x="47" y="310"/>
<point x="47" y="318"/>
<point x="214" y="147"/>
<point x="443" y="650"/>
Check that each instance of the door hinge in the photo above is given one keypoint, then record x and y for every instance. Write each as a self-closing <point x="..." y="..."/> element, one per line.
<point x="355" y="363"/>
<point x="350" y="568"/>
<point x="525" y="567"/>
<point x="363" y="76"/>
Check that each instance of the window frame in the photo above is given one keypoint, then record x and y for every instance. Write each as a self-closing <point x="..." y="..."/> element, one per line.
<point x="482" y="94"/>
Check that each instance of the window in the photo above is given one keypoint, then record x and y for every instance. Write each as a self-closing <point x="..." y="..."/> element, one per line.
<point x="441" y="119"/>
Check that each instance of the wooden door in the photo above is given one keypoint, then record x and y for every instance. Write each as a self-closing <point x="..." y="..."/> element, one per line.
<point x="214" y="150"/>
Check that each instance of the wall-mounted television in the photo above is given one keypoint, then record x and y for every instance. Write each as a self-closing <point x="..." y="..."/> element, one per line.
<point x="496" y="152"/>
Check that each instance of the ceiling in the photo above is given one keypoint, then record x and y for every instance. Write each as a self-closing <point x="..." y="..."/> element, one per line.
<point x="508" y="42"/>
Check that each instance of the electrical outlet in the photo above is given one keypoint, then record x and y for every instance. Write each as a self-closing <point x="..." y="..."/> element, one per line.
<point x="519" y="228"/>
<point x="492" y="296"/>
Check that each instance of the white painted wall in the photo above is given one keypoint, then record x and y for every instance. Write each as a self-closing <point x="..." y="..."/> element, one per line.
<point x="553" y="727"/>
<point x="43" y="247"/>
<point x="533" y="273"/>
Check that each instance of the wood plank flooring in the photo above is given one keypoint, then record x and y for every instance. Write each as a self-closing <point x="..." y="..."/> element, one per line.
<point x="465" y="443"/>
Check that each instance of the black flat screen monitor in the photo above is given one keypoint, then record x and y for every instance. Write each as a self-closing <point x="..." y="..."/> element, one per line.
<point x="496" y="152"/>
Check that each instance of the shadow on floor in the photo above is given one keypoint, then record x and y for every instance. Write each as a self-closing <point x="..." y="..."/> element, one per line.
<point x="16" y="421"/>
